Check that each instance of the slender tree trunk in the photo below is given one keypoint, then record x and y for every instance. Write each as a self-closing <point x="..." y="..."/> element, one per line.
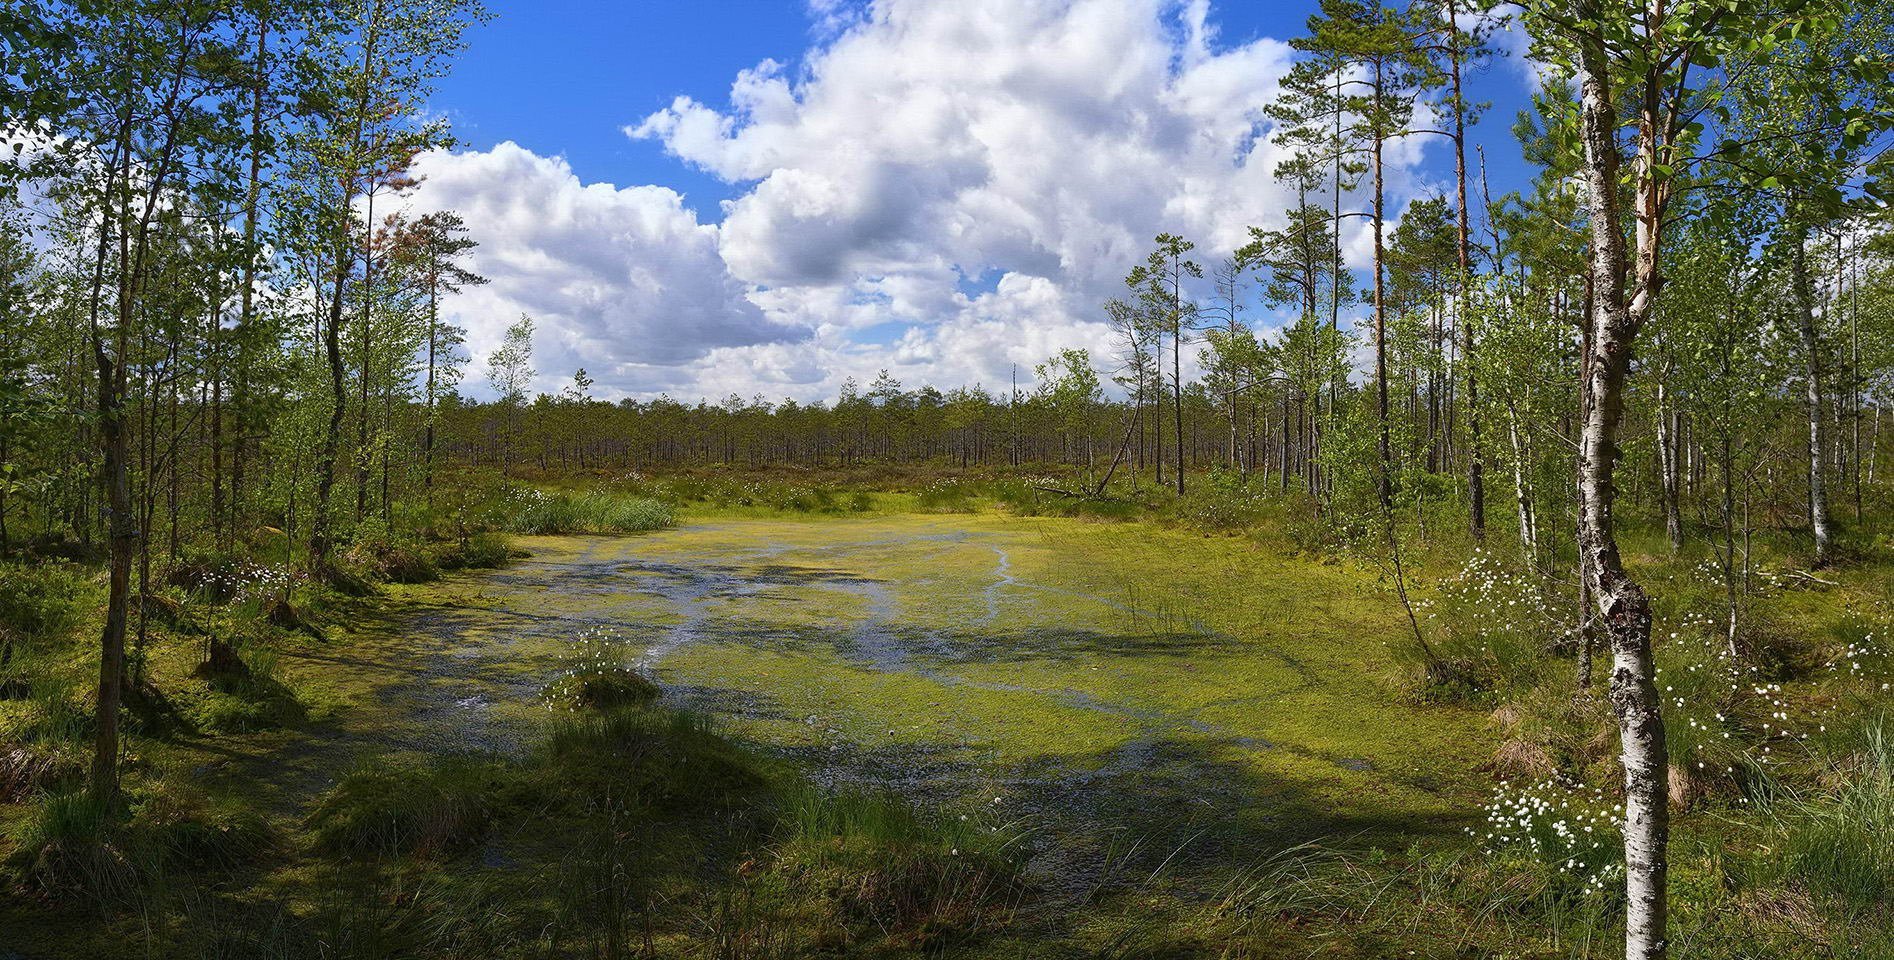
<point x="1667" y="453"/>
<point x="247" y="310"/>
<point x="213" y="342"/>
<point x="1476" y="453"/>
<point x="363" y="458"/>
<point x="319" y="536"/>
<point x="433" y="345"/>
<point x="1854" y="379"/>
<point x="1812" y="367"/>
<point x="1385" y="482"/>
<point x="1522" y="488"/>
<point x="1177" y="369"/>
<point x="121" y="532"/>
<point x="1587" y="634"/>
<point x="1625" y="610"/>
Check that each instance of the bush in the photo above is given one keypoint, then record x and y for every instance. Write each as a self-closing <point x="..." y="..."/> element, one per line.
<point x="244" y="693"/>
<point x="606" y="513"/>
<point x="1705" y="692"/>
<point x="946" y="495"/>
<point x="26" y="771"/>
<point x="602" y="688"/>
<point x="379" y="554"/>
<point x="597" y="675"/>
<point x="183" y="828"/>
<point x="671" y="760"/>
<point x="54" y="718"/>
<point x="1223" y="500"/>
<point x="1568" y="842"/>
<point x="527" y="511"/>
<point x="1489" y="628"/>
<point x="480" y="551"/>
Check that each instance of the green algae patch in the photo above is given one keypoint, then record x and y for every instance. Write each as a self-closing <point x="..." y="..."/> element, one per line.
<point x="1065" y="665"/>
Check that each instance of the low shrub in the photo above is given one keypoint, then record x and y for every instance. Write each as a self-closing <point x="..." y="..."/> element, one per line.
<point x="27" y="771"/>
<point x="946" y="495"/>
<point x="671" y="760"/>
<point x="600" y="688"/>
<point x="1566" y="841"/>
<point x="40" y="602"/>
<point x="1489" y="628"/>
<point x="243" y="693"/>
<point x="1223" y="499"/>
<point x="527" y="511"/>
<point x="379" y="554"/>
<point x="1551" y="734"/>
<point x="479" y="551"/>
<point x="597" y="674"/>
<point x="1706" y="697"/>
<point x="55" y="716"/>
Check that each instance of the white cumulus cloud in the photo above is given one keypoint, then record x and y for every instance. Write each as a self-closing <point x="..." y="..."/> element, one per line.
<point x="941" y="189"/>
<point x="621" y="281"/>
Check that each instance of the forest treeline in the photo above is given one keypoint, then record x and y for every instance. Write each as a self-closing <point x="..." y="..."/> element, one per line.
<point x="218" y="316"/>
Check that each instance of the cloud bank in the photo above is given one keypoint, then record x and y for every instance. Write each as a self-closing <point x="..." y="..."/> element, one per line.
<point x="940" y="189"/>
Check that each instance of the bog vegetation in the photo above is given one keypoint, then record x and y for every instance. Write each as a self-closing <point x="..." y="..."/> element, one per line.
<point x="1613" y="450"/>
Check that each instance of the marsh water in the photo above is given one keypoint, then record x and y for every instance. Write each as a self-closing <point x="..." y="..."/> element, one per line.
<point x="1101" y="687"/>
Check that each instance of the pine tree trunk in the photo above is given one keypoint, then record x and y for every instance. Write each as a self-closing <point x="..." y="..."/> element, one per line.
<point x="1385" y="482"/>
<point x="1476" y="467"/>
<point x="1177" y="368"/>
<point x="246" y="317"/>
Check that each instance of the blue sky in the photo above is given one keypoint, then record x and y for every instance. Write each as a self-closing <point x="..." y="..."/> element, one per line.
<point x="563" y="77"/>
<point x="865" y="284"/>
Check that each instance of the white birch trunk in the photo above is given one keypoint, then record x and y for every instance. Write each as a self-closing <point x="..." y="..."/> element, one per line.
<point x="1618" y="310"/>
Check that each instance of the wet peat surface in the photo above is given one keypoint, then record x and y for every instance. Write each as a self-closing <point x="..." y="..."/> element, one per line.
<point x="1091" y="687"/>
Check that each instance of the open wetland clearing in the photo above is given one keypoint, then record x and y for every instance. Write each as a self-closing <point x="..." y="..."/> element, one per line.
<point x="946" y="480"/>
<point x="1086" y="678"/>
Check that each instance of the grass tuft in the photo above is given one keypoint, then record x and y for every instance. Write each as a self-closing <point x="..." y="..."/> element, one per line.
<point x="670" y="759"/>
<point x="856" y="867"/>
<point x="600" y="688"/>
<point x="1842" y="842"/>
<point x="73" y="845"/>
<point x="389" y="809"/>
